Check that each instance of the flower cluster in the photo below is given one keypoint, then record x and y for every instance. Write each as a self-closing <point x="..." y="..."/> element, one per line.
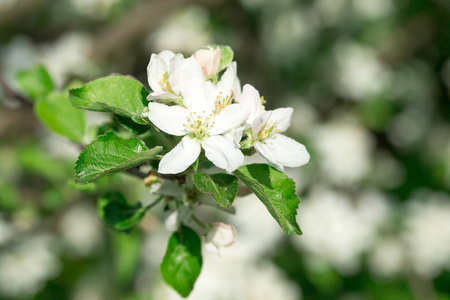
<point x="200" y="99"/>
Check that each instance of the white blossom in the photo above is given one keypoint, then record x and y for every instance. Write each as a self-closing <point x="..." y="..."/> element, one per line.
<point x="265" y="134"/>
<point x="202" y="119"/>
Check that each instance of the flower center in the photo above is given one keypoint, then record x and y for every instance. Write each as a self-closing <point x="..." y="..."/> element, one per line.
<point x="268" y="131"/>
<point x="199" y="125"/>
<point x="222" y="102"/>
<point x="165" y="85"/>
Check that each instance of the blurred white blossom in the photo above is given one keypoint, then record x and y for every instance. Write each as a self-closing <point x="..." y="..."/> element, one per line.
<point x="81" y="230"/>
<point x="408" y="128"/>
<point x="387" y="258"/>
<point x="345" y="150"/>
<point x="359" y="73"/>
<point x="427" y="233"/>
<point x="373" y="9"/>
<point x="18" y="55"/>
<point x="93" y="8"/>
<point x="288" y="33"/>
<point x="69" y="55"/>
<point x="184" y="31"/>
<point x="26" y="267"/>
<point x="337" y="229"/>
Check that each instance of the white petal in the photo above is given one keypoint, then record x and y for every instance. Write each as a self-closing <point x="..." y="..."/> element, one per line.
<point x="193" y="87"/>
<point x="158" y="65"/>
<point x="227" y="82"/>
<point x="237" y="89"/>
<point x="175" y="73"/>
<point x="252" y="101"/>
<point x="282" y="117"/>
<point x="169" y="119"/>
<point x="223" y="153"/>
<point x="160" y="96"/>
<point x="235" y="135"/>
<point x="266" y="151"/>
<point x="229" y="118"/>
<point x="260" y="122"/>
<point x="211" y="248"/>
<point x="181" y="157"/>
<point x="283" y="151"/>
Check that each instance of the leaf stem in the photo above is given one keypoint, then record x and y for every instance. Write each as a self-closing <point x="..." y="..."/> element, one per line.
<point x="151" y="205"/>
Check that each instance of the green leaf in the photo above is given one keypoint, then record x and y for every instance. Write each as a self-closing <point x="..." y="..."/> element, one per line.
<point x="121" y="95"/>
<point x="183" y="261"/>
<point x="226" y="56"/>
<point x="114" y="210"/>
<point x="275" y="190"/>
<point x="110" y="154"/>
<point x="35" y="82"/>
<point x="223" y="187"/>
<point x="55" y="111"/>
<point x="131" y="126"/>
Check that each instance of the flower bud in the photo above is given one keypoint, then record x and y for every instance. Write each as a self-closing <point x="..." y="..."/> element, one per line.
<point x="209" y="60"/>
<point x="220" y="235"/>
<point x="172" y="222"/>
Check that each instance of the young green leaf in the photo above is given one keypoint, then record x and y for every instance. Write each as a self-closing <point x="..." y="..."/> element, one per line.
<point x="183" y="261"/>
<point x="275" y="190"/>
<point x="226" y="56"/>
<point x="55" y="111"/>
<point x="110" y="154"/>
<point x="121" y="95"/>
<point x="35" y="82"/>
<point x="223" y="187"/>
<point x="114" y="210"/>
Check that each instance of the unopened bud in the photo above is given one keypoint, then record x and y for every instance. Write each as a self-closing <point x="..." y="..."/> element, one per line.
<point x="151" y="179"/>
<point x="220" y="235"/>
<point x="209" y="60"/>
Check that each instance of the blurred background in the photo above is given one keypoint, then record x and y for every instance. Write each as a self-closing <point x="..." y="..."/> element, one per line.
<point x="369" y="82"/>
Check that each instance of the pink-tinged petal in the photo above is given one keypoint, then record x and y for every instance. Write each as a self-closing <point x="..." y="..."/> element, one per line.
<point x="169" y="119"/>
<point x="181" y="157"/>
<point x="282" y="117"/>
<point x="250" y="99"/>
<point x="283" y="151"/>
<point x="229" y="118"/>
<point x="260" y="122"/>
<point x="158" y="65"/>
<point x="160" y="96"/>
<point x="223" y="153"/>
<point x="209" y="60"/>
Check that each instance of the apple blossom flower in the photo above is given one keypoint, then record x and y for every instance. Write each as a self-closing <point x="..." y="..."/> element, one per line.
<point x="219" y="235"/>
<point x="201" y="125"/>
<point x="166" y="72"/>
<point x="265" y="132"/>
<point x="209" y="60"/>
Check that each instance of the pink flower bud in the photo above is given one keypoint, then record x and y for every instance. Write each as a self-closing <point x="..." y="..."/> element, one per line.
<point x="209" y="60"/>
